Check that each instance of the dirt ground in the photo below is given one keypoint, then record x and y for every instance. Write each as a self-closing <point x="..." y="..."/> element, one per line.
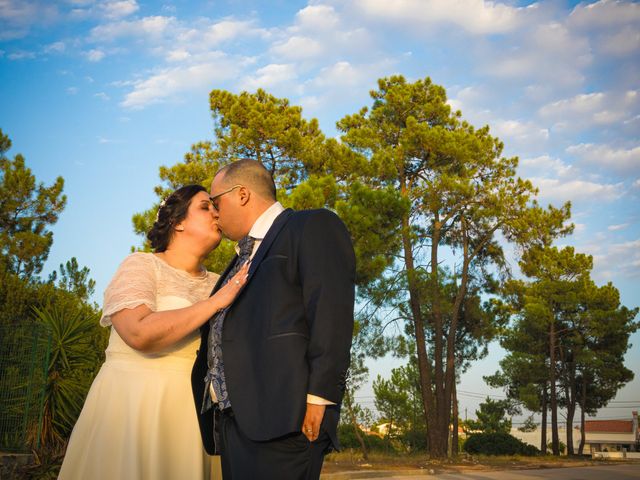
<point x="352" y="461"/>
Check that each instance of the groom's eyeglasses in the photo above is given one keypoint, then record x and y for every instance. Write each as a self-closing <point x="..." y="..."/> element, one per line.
<point x="214" y="198"/>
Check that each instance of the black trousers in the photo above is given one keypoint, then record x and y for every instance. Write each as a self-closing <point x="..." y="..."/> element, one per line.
<point x="291" y="457"/>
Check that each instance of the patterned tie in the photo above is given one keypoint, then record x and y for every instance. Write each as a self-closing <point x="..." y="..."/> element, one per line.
<point x="215" y="375"/>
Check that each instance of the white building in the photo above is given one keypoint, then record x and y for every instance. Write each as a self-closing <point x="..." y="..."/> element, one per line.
<point x="612" y="435"/>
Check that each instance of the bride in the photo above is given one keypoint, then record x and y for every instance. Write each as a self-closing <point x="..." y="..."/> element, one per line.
<point x="139" y="421"/>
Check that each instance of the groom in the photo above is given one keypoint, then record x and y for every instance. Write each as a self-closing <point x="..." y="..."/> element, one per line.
<point x="271" y="369"/>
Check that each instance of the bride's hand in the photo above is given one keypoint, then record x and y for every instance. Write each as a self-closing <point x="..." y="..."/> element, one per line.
<point x="225" y="296"/>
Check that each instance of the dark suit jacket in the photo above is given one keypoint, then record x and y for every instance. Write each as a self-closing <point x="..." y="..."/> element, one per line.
<point x="289" y="331"/>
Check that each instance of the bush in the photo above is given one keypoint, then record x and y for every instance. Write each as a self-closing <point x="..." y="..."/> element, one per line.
<point x="498" y="444"/>
<point x="415" y="439"/>
<point x="348" y="439"/>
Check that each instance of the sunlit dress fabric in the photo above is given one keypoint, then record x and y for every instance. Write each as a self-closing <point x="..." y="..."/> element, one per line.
<point x="139" y="419"/>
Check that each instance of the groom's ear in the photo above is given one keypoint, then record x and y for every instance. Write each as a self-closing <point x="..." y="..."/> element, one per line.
<point x="244" y="195"/>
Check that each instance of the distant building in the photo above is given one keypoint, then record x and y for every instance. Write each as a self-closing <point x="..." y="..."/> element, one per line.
<point x="533" y="438"/>
<point x="612" y="435"/>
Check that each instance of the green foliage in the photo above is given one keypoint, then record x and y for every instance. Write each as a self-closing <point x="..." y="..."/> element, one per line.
<point x="529" y="425"/>
<point x="348" y="438"/>
<point x="414" y="184"/>
<point x="60" y="306"/>
<point x="26" y="210"/>
<point x="399" y="403"/>
<point x="497" y="443"/>
<point x="78" y="345"/>
<point x="459" y="192"/>
<point x="561" y="446"/>
<point x="589" y="329"/>
<point x="309" y="170"/>
<point x="270" y="130"/>
<point x="74" y="279"/>
<point x="491" y="417"/>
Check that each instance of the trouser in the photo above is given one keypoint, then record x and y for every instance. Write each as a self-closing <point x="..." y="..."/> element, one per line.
<point x="289" y="457"/>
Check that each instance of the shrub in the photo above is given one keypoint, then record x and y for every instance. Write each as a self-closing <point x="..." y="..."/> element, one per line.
<point x="498" y="444"/>
<point x="348" y="439"/>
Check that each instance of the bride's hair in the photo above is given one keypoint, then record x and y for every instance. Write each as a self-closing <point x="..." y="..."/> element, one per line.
<point x="172" y="211"/>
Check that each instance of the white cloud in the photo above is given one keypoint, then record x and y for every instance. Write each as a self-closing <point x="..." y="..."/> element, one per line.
<point x="102" y="96"/>
<point x="178" y="55"/>
<point x="474" y="16"/>
<point x="17" y="16"/>
<point x="72" y="90"/>
<point x="592" y="109"/>
<point x="621" y="43"/>
<point x="119" y="9"/>
<point x="205" y="35"/>
<point x="636" y="184"/>
<point x="17" y="11"/>
<point x="151" y="28"/>
<point x="615" y="259"/>
<point x="317" y="17"/>
<point x="55" y="47"/>
<point x="604" y="14"/>
<point x="548" y="52"/>
<point x="573" y="190"/>
<point x="580" y="104"/>
<point x="168" y="83"/>
<point x="611" y="159"/>
<point x="615" y="228"/>
<point x="520" y="133"/>
<point x="95" y="55"/>
<point x="21" y="55"/>
<point x="298" y="48"/>
<point x="269" y="76"/>
<point x="320" y="34"/>
<point x="546" y="165"/>
<point x="223" y="31"/>
<point x="579" y="228"/>
<point x="339" y="75"/>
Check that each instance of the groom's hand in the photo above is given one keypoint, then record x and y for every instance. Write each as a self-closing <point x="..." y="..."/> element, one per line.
<point x="312" y="421"/>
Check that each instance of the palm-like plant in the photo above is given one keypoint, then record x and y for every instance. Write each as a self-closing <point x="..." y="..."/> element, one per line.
<point x="77" y="346"/>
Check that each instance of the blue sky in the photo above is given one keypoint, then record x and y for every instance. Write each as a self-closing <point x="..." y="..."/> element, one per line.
<point x="103" y="93"/>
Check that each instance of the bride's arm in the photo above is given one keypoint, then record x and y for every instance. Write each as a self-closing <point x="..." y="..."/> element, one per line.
<point x="149" y="331"/>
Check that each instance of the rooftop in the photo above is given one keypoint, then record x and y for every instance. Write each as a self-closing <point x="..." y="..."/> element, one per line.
<point x="609" y="426"/>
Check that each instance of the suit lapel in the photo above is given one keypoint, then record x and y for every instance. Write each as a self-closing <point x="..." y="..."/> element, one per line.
<point x="276" y="227"/>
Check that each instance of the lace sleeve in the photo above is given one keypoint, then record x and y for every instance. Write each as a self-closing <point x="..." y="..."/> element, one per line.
<point x="133" y="284"/>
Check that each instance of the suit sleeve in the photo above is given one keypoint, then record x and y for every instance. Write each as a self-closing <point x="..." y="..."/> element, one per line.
<point x="327" y="275"/>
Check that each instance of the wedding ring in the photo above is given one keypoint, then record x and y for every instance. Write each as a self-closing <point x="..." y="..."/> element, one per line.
<point x="237" y="282"/>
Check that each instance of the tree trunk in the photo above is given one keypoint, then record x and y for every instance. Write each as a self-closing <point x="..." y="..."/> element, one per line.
<point x="438" y="436"/>
<point x="354" y="422"/>
<point x="454" y="433"/>
<point x="429" y="403"/>
<point x="450" y="375"/>
<point x="543" y="429"/>
<point x="555" y="441"/>
<point x="583" y="402"/>
<point x="571" y="410"/>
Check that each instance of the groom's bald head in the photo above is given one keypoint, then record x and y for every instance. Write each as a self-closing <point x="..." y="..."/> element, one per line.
<point x="241" y="192"/>
<point x="252" y="174"/>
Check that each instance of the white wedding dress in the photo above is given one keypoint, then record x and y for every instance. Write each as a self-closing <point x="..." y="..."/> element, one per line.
<point x="139" y="420"/>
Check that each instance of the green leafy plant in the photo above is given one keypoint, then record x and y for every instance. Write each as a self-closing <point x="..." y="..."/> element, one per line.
<point x="77" y="345"/>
